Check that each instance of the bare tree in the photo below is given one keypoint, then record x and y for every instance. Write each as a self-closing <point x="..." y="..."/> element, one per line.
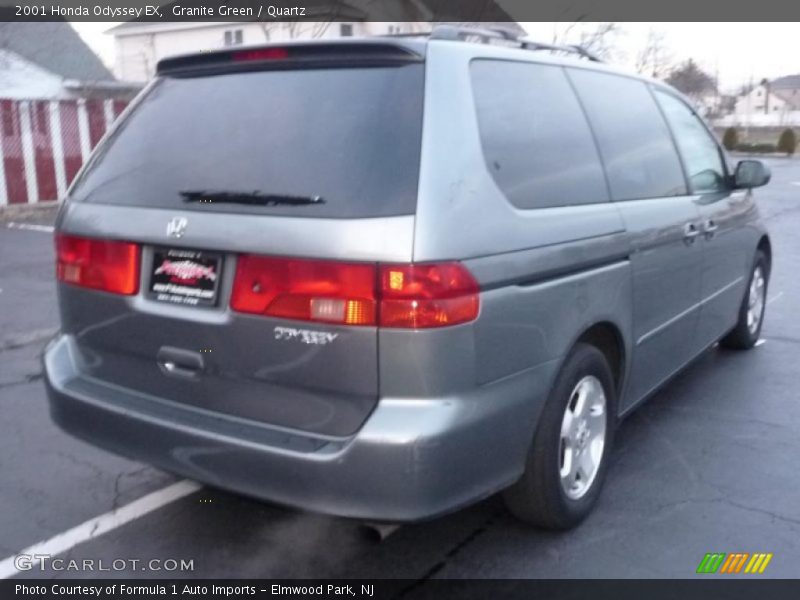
<point x="598" y="38"/>
<point x="654" y="58"/>
<point x="562" y="34"/>
<point x="601" y="39"/>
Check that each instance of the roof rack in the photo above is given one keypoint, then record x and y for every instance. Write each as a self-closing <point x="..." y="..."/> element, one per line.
<point x="569" y="48"/>
<point x="485" y="34"/>
<point x="489" y="35"/>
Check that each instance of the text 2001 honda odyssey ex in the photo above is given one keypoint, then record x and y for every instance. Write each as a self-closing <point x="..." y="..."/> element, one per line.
<point x="386" y="278"/>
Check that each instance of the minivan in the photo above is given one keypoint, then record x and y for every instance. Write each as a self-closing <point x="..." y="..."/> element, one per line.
<point x="386" y="278"/>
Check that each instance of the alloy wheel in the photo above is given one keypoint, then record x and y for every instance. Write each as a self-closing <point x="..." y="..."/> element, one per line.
<point x="583" y="437"/>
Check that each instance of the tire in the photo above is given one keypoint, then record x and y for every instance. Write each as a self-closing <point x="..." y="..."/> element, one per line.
<point x="541" y="498"/>
<point x="751" y="312"/>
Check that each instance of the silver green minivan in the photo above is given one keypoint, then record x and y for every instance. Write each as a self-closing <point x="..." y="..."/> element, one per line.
<point x="386" y="278"/>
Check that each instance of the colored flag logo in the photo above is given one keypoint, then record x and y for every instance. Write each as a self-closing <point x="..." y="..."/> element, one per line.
<point x="738" y="562"/>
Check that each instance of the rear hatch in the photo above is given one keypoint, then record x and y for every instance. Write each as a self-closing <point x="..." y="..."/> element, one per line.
<point x="220" y="247"/>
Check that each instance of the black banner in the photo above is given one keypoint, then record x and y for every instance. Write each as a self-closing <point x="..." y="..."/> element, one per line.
<point x="397" y="10"/>
<point x="206" y="589"/>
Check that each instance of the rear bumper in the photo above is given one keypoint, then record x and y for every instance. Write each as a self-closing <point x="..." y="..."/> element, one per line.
<point x="412" y="459"/>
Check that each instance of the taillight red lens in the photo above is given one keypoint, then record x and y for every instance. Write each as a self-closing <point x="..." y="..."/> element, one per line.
<point x="306" y="290"/>
<point x="105" y="265"/>
<point x="424" y="296"/>
<point x="403" y="296"/>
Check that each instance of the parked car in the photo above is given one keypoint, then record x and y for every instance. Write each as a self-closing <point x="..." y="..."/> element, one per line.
<point x="387" y="278"/>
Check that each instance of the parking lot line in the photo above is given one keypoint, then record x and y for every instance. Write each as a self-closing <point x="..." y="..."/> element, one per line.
<point x="99" y="525"/>
<point x="775" y="297"/>
<point x="31" y="227"/>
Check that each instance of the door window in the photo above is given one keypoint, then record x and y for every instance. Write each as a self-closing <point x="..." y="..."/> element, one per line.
<point x="705" y="167"/>
<point x="637" y="150"/>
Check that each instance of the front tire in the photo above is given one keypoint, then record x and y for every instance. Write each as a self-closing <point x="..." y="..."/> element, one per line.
<point x="568" y="459"/>
<point x="751" y="312"/>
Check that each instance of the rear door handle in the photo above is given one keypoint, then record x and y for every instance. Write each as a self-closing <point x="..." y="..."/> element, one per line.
<point x="709" y="227"/>
<point x="690" y="232"/>
<point x="180" y="362"/>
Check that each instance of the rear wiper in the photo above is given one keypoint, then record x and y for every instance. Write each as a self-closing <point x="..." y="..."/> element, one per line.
<point x="255" y="198"/>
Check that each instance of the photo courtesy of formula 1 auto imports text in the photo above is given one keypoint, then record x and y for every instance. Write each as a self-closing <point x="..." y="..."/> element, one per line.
<point x="399" y="299"/>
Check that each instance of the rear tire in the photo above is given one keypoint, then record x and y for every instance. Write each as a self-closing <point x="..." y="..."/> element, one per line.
<point x="559" y="487"/>
<point x="751" y="312"/>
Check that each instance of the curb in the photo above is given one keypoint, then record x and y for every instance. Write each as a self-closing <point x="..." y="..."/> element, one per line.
<point x="21" y="211"/>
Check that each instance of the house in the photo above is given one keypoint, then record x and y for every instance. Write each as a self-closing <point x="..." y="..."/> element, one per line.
<point x="770" y="103"/>
<point x="56" y="101"/>
<point x="140" y="45"/>
<point x="787" y="89"/>
<point x="714" y="105"/>
<point x="50" y="60"/>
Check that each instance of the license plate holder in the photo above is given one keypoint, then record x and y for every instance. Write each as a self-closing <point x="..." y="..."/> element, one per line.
<point x="185" y="277"/>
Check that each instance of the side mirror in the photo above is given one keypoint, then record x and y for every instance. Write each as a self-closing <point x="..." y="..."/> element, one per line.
<point x="751" y="173"/>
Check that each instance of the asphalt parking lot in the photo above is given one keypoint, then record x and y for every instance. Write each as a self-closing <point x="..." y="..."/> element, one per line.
<point x="709" y="464"/>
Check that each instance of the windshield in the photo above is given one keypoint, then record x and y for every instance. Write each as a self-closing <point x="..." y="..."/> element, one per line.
<point x="348" y="136"/>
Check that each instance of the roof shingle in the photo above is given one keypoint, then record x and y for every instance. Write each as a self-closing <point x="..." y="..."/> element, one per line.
<point x="56" y="47"/>
<point x="789" y="82"/>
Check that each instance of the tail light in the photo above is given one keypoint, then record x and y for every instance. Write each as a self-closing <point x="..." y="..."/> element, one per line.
<point x="407" y="296"/>
<point x="105" y="265"/>
<point x="306" y="290"/>
<point x="423" y="296"/>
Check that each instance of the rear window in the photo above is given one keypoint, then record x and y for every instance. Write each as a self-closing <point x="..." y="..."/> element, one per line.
<point x="536" y="140"/>
<point x="346" y="138"/>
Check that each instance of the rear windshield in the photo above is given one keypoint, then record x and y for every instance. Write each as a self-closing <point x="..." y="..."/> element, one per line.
<point x="338" y="143"/>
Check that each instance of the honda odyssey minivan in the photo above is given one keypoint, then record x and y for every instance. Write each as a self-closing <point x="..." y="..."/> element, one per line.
<point x="387" y="278"/>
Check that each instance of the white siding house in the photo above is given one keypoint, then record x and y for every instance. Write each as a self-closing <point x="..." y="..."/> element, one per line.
<point x="773" y="103"/>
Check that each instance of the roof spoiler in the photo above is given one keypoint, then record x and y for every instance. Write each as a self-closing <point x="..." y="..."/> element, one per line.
<point x="291" y="56"/>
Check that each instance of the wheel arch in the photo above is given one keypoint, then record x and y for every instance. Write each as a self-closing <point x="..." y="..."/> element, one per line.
<point x="607" y="337"/>
<point x="765" y="245"/>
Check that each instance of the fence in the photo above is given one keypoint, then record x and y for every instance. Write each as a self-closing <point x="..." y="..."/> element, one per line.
<point x="45" y="142"/>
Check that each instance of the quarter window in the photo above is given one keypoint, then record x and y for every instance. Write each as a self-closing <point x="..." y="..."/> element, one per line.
<point x="701" y="156"/>
<point x="635" y="143"/>
<point x="536" y="141"/>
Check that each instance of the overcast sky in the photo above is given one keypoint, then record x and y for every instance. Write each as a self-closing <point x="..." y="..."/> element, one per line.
<point x="736" y="52"/>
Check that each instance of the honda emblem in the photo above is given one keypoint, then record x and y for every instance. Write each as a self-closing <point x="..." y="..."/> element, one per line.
<point x="177" y="226"/>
